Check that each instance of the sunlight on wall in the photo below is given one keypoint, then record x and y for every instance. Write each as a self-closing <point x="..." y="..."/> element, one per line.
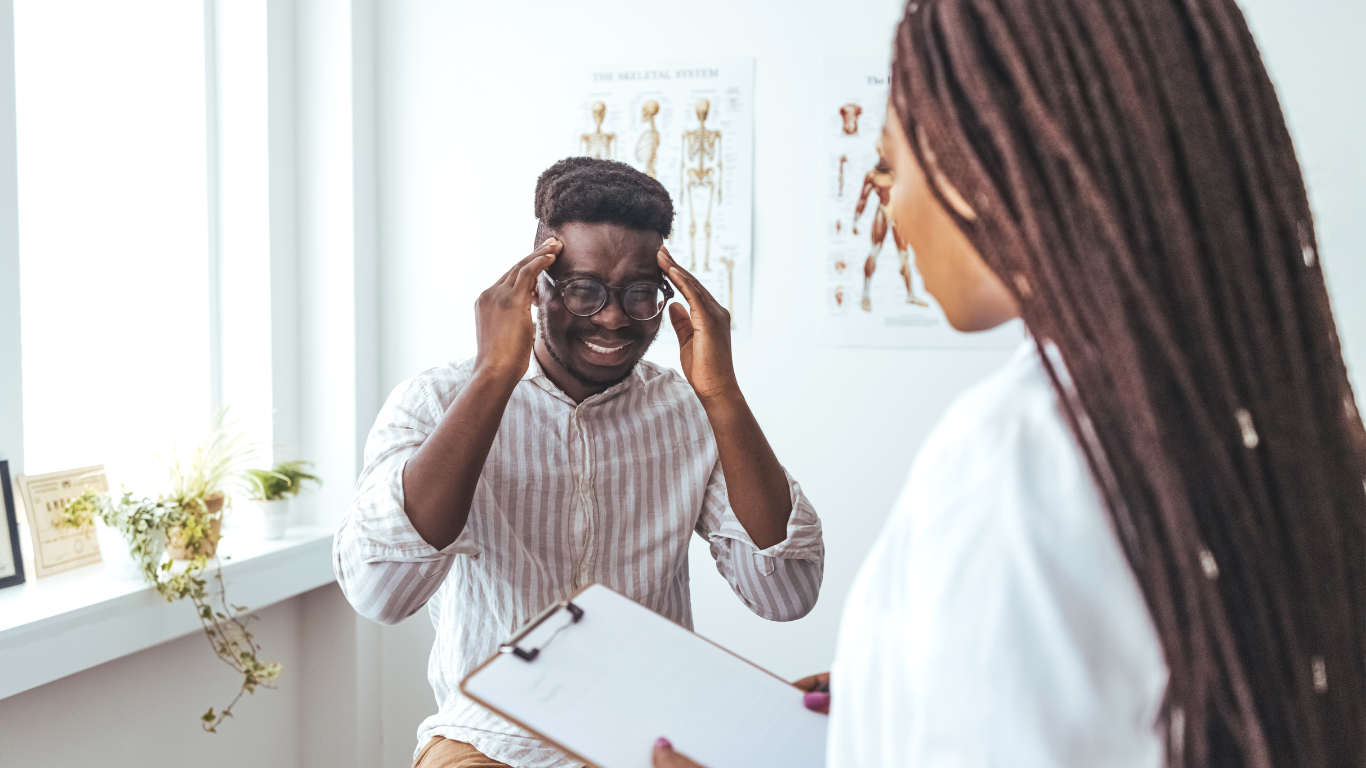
<point x="113" y="231"/>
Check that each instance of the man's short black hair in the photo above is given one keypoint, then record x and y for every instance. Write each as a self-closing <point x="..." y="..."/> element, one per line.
<point x="592" y="191"/>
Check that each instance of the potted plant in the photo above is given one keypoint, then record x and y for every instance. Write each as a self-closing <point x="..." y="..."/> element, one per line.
<point x="185" y="523"/>
<point x="146" y="524"/>
<point x="199" y="482"/>
<point x="272" y="489"/>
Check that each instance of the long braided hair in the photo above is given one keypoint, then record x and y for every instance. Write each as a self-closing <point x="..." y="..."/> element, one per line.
<point x="1131" y="178"/>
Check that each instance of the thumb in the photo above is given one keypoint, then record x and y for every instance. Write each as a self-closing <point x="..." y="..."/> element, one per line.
<point x="817" y="702"/>
<point x="682" y="323"/>
<point x="664" y="756"/>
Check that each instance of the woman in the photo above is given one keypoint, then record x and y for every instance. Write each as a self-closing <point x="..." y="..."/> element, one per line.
<point x="1140" y="543"/>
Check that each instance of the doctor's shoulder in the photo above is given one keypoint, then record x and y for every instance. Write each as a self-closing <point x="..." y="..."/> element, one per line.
<point x="1001" y="437"/>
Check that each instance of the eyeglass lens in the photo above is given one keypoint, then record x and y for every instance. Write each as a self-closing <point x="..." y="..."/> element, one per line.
<point x="585" y="297"/>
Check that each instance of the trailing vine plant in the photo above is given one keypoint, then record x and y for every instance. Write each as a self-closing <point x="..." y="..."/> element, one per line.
<point x="145" y="525"/>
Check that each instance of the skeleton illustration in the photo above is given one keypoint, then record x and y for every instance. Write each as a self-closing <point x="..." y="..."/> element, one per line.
<point x="849" y="113"/>
<point x="598" y="144"/>
<point x="730" y="288"/>
<point x="647" y="146"/>
<point x="879" y="180"/>
<point x="702" y="146"/>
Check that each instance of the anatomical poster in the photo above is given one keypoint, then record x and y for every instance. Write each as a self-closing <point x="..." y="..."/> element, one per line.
<point x="872" y="293"/>
<point x="689" y="124"/>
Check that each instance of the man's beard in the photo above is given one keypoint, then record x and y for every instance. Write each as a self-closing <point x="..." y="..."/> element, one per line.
<point x="580" y="376"/>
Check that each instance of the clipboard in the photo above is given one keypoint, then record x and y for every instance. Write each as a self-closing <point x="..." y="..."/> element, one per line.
<point x="601" y="677"/>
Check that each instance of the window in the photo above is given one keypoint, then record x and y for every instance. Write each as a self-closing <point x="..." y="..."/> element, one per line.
<point x="113" y="231"/>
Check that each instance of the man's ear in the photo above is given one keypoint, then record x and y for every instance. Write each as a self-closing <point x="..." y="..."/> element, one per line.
<point x="542" y="232"/>
<point x="537" y="295"/>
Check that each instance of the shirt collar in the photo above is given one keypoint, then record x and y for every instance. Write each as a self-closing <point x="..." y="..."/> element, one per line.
<point x="536" y="375"/>
<point x="533" y="370"/>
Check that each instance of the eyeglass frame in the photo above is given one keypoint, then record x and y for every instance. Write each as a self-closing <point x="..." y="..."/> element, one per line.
<point x="612" y="293"/>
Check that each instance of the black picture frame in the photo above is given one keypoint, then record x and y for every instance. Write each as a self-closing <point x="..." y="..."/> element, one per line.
<point x="12" y="518"/>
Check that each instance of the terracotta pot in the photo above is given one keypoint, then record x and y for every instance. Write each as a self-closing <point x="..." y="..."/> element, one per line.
<point x="175" y="546"/>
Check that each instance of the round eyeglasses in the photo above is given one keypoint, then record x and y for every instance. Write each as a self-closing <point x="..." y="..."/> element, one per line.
<point x="584" y="296"/>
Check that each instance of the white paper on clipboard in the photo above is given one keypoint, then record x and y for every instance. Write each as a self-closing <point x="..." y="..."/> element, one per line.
<point x="606" y="686"/>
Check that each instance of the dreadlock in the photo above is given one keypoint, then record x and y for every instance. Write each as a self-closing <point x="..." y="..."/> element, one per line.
<point x="1135" y="186"/>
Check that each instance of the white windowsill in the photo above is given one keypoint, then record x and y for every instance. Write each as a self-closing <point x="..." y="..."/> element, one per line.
<point x="72" y="621"/>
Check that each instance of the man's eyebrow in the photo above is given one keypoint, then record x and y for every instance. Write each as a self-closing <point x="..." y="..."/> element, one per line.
<point x="581" y="273"/>
<point x="646" y="277"/>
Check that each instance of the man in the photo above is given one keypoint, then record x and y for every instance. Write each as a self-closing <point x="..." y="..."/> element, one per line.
<point x="557" y="458"/>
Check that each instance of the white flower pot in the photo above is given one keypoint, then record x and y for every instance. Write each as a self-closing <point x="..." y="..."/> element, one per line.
<point x="276" y="518"/>
<point x="114" y="550"/>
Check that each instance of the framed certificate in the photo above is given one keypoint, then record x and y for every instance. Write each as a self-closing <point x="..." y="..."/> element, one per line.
<point x="57" y="548"/>
<point x="11" y="563"/>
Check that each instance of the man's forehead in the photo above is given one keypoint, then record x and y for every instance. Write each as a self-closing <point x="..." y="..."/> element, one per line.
<point x="608" y="251"/>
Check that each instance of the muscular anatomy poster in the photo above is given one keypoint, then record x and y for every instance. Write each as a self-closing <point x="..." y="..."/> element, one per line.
<point x="689" y="124"/>
<point x="872" y="293"/>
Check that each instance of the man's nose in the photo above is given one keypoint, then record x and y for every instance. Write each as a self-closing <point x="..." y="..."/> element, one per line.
<point x="612" y="316"/>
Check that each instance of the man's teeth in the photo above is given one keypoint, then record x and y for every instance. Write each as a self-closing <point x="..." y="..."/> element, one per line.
<point x="604" y="350"/>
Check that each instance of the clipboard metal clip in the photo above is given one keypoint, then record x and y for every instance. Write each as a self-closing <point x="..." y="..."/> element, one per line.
<point x="514" y="646"/>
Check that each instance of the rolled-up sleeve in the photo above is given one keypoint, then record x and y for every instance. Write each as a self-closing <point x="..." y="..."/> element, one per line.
<point x="780" y="583"/>
<point x="384" y="567"/>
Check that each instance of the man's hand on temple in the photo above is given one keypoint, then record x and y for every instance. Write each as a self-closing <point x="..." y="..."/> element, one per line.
<point x="502" y="316"/>
<point x="703" y="334"/>
<point x="439" y="481"/>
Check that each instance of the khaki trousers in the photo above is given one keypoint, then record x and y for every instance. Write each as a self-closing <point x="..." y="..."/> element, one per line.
<point x="441" y="752"/>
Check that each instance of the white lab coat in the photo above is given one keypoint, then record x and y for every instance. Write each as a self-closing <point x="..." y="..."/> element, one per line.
<point x="996" y="621"/>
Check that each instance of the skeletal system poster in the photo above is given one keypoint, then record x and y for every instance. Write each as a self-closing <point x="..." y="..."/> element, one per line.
<point x="688" y="124"/>
<point x="873" y="294"/>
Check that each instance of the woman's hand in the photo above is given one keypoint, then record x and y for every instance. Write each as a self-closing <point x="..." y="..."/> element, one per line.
<point x="817" y="687"/>
<point x="703" y="334"/>
<point x="665" y="756"/>
<point x="817" y="699"/>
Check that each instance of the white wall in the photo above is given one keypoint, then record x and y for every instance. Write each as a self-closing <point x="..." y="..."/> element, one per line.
<point x="11" y="377"/>
<point x="143" y="709"/>
<point x="1313" y="49"/>
<point x="467" y="120"/>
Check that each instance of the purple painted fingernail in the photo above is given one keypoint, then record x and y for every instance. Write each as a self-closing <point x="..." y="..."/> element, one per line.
<point x="816" y="701"/>
<point x="663" y="743"/>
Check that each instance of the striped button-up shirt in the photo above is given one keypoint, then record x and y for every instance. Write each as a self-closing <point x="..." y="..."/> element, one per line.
<point x="605" y="491"/>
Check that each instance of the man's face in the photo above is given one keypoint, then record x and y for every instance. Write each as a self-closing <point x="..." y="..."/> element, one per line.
<point x="601" y="349"/>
